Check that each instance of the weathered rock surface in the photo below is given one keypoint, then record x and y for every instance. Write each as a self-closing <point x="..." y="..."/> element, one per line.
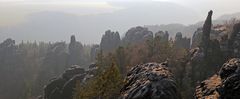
<point x="224" y="85"/>
<point x="150" y="81"/>
<point x="63" y="87"/>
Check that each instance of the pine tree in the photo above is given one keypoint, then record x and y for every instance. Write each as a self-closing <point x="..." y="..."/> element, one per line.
<point x="104" y="86"/>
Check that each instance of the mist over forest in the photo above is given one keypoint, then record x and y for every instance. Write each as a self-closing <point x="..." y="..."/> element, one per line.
<point x="157" y="49"/>
<point x="54" y="25"/>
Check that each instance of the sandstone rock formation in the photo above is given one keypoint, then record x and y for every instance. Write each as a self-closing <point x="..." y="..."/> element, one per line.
<point x="150" y="81"/>
<point x="75" y="52"/>
<point x="137" y="35"/>
<point x="63" y="87"/>
<point x="218" y="32"/>
<point x="206" y="56"/>
<point x="234" y="41"/>
<point x="182" y="42"/>
<point x="110" y="41"/>
<point x="206" y="32"/>
<point x="224" y="85"/>
<point x="225" y="37"/>
<point x="196" y="38"/>
<point x="163" y="36"/>
<point x="203" y="35"/>
<point x="207" y="45"/>
<point x="93" y="52"/>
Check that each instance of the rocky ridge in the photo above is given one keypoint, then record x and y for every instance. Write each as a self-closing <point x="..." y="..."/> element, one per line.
<point x="150" y="81"/>
<point x="223" y="85"/>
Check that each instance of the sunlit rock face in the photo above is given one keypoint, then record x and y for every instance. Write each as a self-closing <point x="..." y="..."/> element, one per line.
<point x="150" y="81"/>
<point x="137" y="35"/>
<point x="224" y="85"/>
<point x="63" y="86"/>
<point x="110" y="41"/>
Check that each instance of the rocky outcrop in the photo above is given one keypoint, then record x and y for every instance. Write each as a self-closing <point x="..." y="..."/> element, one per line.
<point x="226" y="37"/>
<point x="206" y="56"/>
<point x="224" y="85"/>
<point x="182" y="42"/>
<point x="93" y="52"/>
<point x="234" y="41"/>
<point x="110" y="41"/>
<point x="150" y="81"/>
<point x="75" y="52"/>
<point x="202" y="36"/>
<point x="63" y="87"/>
<point x="206" y="42"/>
<point x="137" y="35"/>
<point x="206" y="32"/>
<point x="196" y="38"/>
<point x="163" y="36"/>
<point x="218" y="32"/>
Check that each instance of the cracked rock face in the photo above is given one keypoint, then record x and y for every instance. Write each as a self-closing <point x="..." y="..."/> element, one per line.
<point x="224" y="85"/>
<point x="150" y="81"/>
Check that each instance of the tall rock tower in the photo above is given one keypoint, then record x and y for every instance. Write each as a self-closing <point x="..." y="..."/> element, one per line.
<point x="206" y="32"/>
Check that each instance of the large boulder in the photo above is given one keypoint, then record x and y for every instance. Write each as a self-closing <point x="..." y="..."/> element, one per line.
<point x="150" y="81"/>
<point x="224" y="85"/>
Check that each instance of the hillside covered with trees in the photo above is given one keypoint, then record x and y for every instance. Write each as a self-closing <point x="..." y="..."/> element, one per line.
<point x="110" y="69"/>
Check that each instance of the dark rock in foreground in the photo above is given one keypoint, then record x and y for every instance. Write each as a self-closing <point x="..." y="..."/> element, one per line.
<point x="63" y="87"/>
<point x="150" y="81"/>
<point x="224" y="85"/>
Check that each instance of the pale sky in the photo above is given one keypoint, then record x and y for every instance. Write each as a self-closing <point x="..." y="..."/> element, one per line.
<point x="13" y="11"/>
